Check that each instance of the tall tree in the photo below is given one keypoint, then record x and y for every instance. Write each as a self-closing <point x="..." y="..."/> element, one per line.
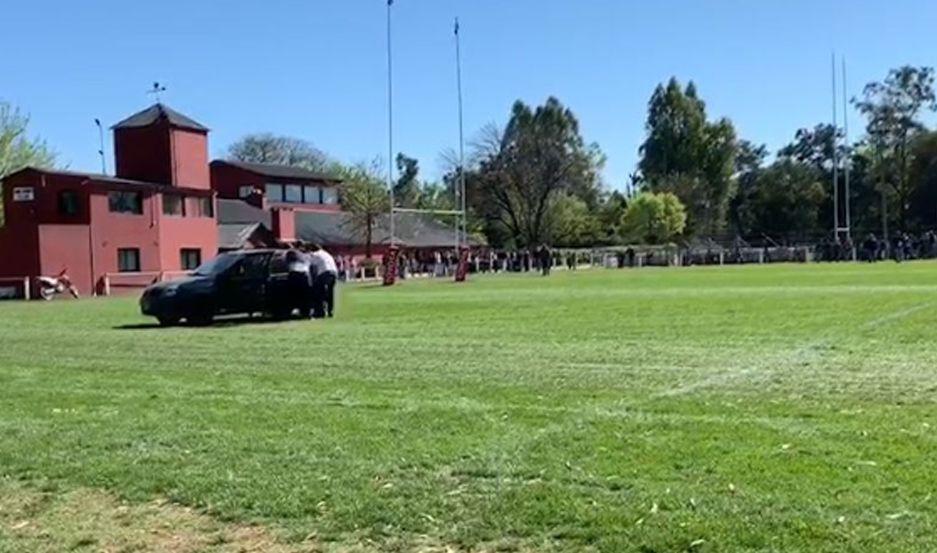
<point x="17" y="148"/>
<point x="407" y="188"/>
<point x="539" y="155"/>
<point x="688" y="155"/>
<point x="893" y="109"/>
<point x="748" y="166"/>
<point x="365" y="197"/>
<point x="782" y="200"/>
<point x="279" y="150"/>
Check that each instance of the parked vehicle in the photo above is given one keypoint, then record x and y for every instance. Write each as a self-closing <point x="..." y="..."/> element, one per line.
<point x="239" y="282"/>
<point x="51" y="286"/>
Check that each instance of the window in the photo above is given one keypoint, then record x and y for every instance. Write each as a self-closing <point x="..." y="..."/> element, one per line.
<point x="253" y="266"/>
<point x="119" y="201"/>
<point x="128" y="260"/>
<point x="330" y="196"/>
<point x="201" y="207"/>
<point x="245" y="191"/>
<point x="173" y="204"/>
<point x="274" y="192"/>
<point x="312" y="195"/>
<point x="190" y="258"/>
<point x="68" y="202"/>
<point x="293" y="193"/>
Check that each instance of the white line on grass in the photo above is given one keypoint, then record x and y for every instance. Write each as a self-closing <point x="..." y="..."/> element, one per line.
<point x="804" y="354"/>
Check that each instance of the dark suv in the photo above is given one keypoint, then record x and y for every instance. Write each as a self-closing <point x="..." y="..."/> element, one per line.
<point x="247" y="282"/>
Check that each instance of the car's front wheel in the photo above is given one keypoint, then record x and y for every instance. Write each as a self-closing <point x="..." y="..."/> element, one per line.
<point x="168" y="320"/>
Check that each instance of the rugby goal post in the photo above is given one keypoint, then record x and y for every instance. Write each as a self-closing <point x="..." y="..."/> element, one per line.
<point x="459" y="242"/>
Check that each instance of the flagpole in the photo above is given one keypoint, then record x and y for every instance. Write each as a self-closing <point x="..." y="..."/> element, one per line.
<point x="390" y="126"/>
<point x="458" y="65"/>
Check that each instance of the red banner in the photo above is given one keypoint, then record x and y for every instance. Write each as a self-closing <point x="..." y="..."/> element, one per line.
<point x="390" y="265"/>
<point x="462" y="270"/>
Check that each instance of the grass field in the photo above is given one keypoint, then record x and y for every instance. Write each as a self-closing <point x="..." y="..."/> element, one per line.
<point x="776" y="408"/>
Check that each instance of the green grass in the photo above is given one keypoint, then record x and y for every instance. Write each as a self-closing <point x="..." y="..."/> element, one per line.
<point x="776" y="408"/>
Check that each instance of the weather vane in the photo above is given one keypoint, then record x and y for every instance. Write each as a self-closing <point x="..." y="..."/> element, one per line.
<point x="157" y="88"/>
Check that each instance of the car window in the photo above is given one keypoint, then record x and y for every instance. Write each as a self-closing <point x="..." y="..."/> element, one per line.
<point x="253" y="266"/>
<point x="217" y="265"/>
<point x="278" y="264"/>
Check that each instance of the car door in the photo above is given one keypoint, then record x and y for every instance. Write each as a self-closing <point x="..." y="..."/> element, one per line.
<point x="245" y="287"/>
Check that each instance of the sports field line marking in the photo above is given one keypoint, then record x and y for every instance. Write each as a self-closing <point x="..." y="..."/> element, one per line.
<point x="798" y="356"/>
<point x="900" y="314"/>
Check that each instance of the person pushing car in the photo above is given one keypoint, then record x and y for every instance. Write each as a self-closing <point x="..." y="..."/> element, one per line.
<point x="325" y="272"/>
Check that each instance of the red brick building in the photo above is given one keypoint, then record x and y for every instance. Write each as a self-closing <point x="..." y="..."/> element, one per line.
<point x="157" y="214"/>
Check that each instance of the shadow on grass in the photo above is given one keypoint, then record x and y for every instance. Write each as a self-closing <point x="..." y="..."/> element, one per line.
<point x="226" y="322"/>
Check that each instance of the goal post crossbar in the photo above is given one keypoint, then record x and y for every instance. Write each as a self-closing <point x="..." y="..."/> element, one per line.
<point x="430" y="211"/>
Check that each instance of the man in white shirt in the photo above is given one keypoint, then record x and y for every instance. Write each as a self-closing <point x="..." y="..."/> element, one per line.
<point x="323" y="284"/>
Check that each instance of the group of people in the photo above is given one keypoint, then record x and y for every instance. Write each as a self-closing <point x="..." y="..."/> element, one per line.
<point x="445" y="263"/>
<point x="904" y="247"/>
<point x="312" y="276"/>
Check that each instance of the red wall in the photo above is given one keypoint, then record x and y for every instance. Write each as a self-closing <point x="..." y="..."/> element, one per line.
<point x="66" y="247"/>
<point x="189" y="232"/>
<point x="190" y="158"/>
<point x="144" y="154"/>
<point x="226" y="180"/>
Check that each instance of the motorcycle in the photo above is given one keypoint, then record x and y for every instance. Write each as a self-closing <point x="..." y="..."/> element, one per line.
<point x="49" y="287"/>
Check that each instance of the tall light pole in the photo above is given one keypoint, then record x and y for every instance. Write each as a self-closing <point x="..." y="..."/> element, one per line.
<point x="458" y="68"/>
<point x="390" y="125"/>
<point x="101" y="146"/>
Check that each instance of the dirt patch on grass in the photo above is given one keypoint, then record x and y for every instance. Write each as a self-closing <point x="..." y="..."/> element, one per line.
<point x="44" y="520"/>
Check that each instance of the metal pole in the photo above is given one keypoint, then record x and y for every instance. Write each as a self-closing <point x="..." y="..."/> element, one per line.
<point x="101" y="146"/>
<point x="390" y="126"/>
<point x="835" y="165"/>
<point x="848" y="161"/>
<point x="458" y="65"/>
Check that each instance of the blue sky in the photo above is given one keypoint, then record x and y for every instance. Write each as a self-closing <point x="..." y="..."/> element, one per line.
<point x="316" y="68"/>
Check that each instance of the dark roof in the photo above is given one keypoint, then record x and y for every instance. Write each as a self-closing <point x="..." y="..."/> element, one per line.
<point x="239" y="211"/>
<point x="109" y="179"/>
<point x="158" y="112"/>
<point x="277" y="171"/>
<point x="337" y="228"/>
<point x="234" y="236"/>
<point x="416" y="230"/>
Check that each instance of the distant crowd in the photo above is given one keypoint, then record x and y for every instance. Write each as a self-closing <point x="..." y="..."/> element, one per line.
<point x="902" y="247"/>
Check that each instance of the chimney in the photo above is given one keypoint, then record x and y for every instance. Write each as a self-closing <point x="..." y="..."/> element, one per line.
<point x="283" y="221"/>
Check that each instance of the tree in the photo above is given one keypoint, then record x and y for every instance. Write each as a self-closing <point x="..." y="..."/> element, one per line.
<point x="686" y="154"/>
<point x="924" y="176"/>
<point x="654" y="218"/>
<point x="573" y="224"/>
<point x="407" y="188"/>
<point x="17" y="149"/>
<point x="365" y="197"/>
<point x="523" y="168"/>
<point x="783" y="198"/>
<point x="748" y="165"/>
<point x="893" y="108"/>
<point x="279" y="150"/>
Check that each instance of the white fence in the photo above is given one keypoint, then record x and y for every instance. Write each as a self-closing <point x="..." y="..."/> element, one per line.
<point x="131" y="281"/>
